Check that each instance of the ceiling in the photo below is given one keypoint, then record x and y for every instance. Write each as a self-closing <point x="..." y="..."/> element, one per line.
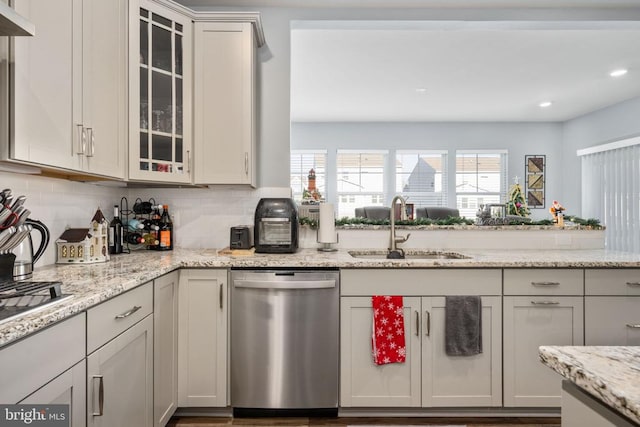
<point x="609" y="4"/>
<point x="459" y="71"/>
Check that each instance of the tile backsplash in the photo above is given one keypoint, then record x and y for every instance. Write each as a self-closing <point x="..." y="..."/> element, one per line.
<point x="202" y="217"/>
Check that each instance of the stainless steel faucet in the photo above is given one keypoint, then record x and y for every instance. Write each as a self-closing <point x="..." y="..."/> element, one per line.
<point x="394" y="251"/>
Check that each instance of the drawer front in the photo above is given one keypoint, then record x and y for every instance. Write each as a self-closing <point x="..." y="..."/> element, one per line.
<point x="531" y="281"/>
<point x="418" y="282"/>
<point x="32" y="362"/>
<point x="612" y="282"/>
<point x="111" y="318"/>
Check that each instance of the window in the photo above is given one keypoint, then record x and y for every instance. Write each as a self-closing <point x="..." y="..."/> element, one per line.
<point x="302" y="161"/>
<point x="360" y="180"/>
<point x="481" y="178"/>
<point x="421" y="177"/>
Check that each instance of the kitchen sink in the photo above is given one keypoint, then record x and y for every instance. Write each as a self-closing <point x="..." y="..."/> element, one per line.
<point x="409" y="254"/>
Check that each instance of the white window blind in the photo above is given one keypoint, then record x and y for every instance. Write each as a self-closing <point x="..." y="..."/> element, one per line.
<point x="360" y="180"/>
<point x="481" y="178"/>
<point x="611" y="191"/>
<point x="421" y="177"/>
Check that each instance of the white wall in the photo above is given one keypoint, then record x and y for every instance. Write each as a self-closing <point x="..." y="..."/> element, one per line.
<point x="609" y="124"/>
<point x="519" y="138"/>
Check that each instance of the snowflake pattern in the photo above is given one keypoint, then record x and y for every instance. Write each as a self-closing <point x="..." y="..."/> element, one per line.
<point x="388" y="330"/>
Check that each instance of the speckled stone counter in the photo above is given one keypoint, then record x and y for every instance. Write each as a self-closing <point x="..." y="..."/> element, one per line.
<point x="610" y="374"/>
<point x="95" y="283"/>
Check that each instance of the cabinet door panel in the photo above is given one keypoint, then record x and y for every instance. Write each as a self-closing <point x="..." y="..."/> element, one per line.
<point x="612" y="320"/>
<point x="70" y="388"/>
<point x="47" y="80"/>
<point x="461" y="380"/>
<point x="362" y="382"/>
<point x="125" y="366"/>
<point x="223" y="117"/>
<point x="165" y="348"/>
<point x="552" y="321"/>
<point x="202" y="349"/>
<point x="105" y="85"/>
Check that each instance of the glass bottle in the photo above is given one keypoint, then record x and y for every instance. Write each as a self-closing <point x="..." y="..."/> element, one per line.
<point x="115" y="232"/>
<point x="166" y="230"/>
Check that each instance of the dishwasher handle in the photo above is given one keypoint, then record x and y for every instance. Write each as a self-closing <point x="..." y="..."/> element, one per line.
<point x="285" y="284"/>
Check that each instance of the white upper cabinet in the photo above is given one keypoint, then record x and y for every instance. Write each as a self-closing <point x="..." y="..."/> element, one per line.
<point x="69" y="87"/>
<point x="160" y="46"/>
<point x="224" y="103"/>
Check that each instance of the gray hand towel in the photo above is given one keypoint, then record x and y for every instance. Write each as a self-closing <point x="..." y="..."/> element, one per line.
<point x="463" y="325"/>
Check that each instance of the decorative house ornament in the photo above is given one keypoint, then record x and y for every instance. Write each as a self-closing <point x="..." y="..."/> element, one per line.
<point x="84" y="245"/>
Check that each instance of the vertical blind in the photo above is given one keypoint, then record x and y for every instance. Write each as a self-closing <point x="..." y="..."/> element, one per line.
<point x="611" y="191"/>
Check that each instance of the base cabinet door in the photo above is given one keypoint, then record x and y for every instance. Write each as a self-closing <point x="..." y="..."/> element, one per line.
<point x="120" y="379"/>
<point x="70" y="388"/>
<point x="530" y="322"/>
<point x="202" y="348"/>
<point x="165" y="348"/>
<point x="612" y="320"/>
<point x="362" y="382"/>
<point x="461" y="380"/>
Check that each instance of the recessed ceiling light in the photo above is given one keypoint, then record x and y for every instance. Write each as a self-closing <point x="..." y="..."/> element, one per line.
<point x="545" y="104"/>
<point x="421" y="90"/>
<point x="618" y="73"/>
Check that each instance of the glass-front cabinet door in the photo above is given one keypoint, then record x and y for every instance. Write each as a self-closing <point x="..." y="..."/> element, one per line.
<point x="160" y="143"/>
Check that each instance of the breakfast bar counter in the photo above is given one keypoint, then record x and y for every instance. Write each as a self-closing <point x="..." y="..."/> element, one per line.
<point x="611" y="375"/>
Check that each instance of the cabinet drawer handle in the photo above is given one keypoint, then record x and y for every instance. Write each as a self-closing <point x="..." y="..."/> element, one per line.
<point x="545" y="302"/>
<point x="633" y="326"/>
<point x="100" y="396"/>
<point x="188" y="161"/>
<point x="246" y="163"/>
<point x="428" y="316"/>
<point x="633" y="283"/>
<point x="417" y="324"/>
<point x="129" y="313"/>
<point x="220" y="296"/>
<point x="545" y="283"/>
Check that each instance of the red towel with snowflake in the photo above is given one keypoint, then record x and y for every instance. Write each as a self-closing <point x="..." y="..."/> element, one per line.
<point x="388" y="330"/>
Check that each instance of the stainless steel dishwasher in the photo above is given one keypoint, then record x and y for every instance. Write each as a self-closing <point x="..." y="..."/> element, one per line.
<point x="284" y="342"/>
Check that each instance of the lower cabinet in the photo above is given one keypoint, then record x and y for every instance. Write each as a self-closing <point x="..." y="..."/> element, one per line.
<point x="120" y="379"/>
<point x="202" y="342"/>
<point x="165" y="348"/>
<point x="612" y="307"/>
<point x="120" y="360"/>
<point x="69" y="388"/>
<point x="429" y="377"/>
<point x="530" y="322"/>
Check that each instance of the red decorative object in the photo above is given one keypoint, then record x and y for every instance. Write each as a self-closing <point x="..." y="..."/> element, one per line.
<point x="388" y="330"/>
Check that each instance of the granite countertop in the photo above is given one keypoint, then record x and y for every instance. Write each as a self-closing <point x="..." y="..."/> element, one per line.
<point x="91" y="284"/>
<point x="610" y="374"/>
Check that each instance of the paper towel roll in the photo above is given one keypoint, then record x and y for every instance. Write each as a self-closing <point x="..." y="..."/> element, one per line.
<point x="327" y="228"/>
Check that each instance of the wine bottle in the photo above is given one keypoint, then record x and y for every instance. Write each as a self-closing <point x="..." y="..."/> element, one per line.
<point x="115" y="233"/>
<point x="134" y="238"/>
<point x="134" y="224"/>
<point x="154" y="228"/>
<point x="166" y="230"/>
<point x="150" y="240"/>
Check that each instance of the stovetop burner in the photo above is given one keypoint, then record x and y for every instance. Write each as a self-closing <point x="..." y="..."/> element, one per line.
<point x="20" y="297"/>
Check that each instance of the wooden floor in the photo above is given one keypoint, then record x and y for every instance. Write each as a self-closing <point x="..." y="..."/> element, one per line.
<point x="362" y="422"/>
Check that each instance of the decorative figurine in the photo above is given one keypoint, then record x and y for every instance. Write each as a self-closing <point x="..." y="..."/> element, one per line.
<point x="557" y="210"/>
<point x="311" y="193"/>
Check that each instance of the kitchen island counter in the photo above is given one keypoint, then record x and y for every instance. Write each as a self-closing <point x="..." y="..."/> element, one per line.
<point x="92" y="284"/>
<point x="610" y="374"/>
